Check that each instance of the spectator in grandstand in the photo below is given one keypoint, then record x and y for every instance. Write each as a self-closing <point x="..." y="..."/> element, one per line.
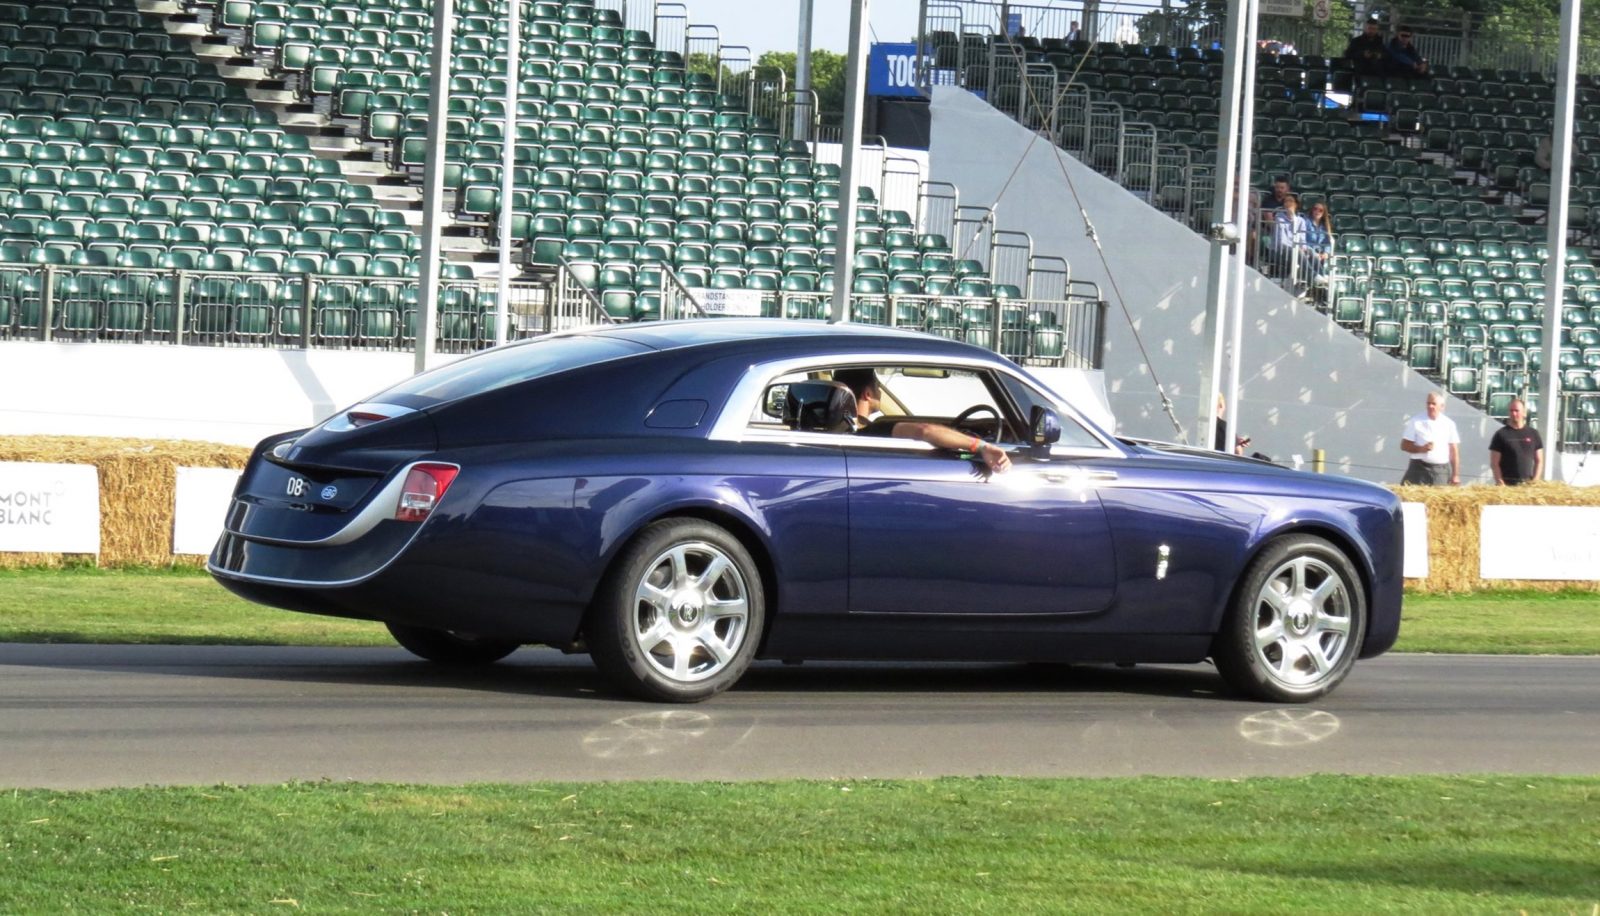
<point x="1280" y="193"/>
<point x="1126" y="33"/>
<point x="1434" y="444"/>
<point x="1221" y="442"/>
<point x="1253" y="220"/>
<point x="1288" y="246"/>
<point x="1516" y="453"/>
<point x="1542" y="155"/>
<point x="1367" y="54"/>
<point x="1404" y="58"/>
<point x="1075" y="32"/>
<point x="1319" y="241"/>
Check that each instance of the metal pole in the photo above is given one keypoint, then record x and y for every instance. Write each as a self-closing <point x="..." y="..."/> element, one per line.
<point x="802" y="74"/>
<point x="1235" y="57"/>
<point x="433" y="182"/>
<point x="1247" y="131"/>
<point x="855" y="88"/>
<point x="508" y="167"/>
<point x="1555" y="270"/>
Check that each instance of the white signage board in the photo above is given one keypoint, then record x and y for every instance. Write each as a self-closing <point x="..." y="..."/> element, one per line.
<point x="49" y="508"/>
<point x="1321" y="11"/>
<point x="1539" y="542"/>
<point x="730" y="303"/>
<point x="1414" y="516"/>
<point x="1283" y="7"/>
<point x="199" y="508"/>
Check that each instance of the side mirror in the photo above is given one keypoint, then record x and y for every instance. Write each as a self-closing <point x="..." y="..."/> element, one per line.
<point x="1044" y="427"/>
<point x="777" y="396"/>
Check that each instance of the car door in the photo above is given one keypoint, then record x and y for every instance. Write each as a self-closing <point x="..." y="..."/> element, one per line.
<point x="934" y="533"/>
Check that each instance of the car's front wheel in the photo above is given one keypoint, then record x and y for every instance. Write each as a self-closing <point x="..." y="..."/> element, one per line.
<point x="681" y="613"/>
<point x="448" y="648"/>
<point x="1296" y="625"/>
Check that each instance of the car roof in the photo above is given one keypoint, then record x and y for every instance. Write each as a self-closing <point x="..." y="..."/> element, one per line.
<point x="668" y="335"/>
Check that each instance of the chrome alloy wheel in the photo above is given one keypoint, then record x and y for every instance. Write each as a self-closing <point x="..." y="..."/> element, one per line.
<point x="691" y="612"/>
<point x="1302" y="622"/>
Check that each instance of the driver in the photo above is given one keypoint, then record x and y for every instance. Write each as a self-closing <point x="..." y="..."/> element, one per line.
<point x="864" y="384"/>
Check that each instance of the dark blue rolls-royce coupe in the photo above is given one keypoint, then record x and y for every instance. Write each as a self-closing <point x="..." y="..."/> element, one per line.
<point x="678" y="499"/>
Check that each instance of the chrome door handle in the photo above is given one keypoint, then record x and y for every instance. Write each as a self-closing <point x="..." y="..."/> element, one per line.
<point x="1087" y="477"/>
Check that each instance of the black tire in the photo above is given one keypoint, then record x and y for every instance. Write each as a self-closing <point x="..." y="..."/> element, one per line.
<point x="1296" y="623"/>
<point x="668" y="626"/>
<point x="447" y="648"/>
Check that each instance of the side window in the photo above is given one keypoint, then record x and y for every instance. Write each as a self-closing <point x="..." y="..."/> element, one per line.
<point x="1073" y="433"/>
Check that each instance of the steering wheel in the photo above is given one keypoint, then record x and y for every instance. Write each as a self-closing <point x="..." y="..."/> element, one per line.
<point x="973" y="411"/>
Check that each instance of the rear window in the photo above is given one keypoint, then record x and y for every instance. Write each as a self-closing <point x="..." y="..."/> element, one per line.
<point x="504" y="366"/>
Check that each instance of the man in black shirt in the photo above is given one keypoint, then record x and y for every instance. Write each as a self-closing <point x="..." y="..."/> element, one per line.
<point x="1516" y="453"/>
<point x="1367" y="52"/>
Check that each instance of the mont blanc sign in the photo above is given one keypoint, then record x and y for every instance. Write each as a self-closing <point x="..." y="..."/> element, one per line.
<point x="49" y="508"/>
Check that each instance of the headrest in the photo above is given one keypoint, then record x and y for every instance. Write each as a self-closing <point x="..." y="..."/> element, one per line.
<point x="819" y="406"/>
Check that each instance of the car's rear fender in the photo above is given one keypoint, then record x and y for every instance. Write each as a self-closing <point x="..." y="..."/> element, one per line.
<point x="760" y="511"/>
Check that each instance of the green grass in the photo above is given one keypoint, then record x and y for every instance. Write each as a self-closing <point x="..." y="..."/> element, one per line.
<point x="177" y="606"/>
<point x="1502" y="623"/>
<point x="1316" y="844"/>
<point x="185" y="606"/>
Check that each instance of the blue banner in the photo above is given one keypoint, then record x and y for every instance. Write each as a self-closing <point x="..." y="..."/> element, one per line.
<point x="892" y="69"/>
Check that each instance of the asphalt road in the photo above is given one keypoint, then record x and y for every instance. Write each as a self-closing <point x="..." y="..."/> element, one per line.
<point x="91" y="716"/>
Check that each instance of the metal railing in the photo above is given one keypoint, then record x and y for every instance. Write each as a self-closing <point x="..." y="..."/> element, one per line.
<point x="956" y="31"/>
<point x="235" y="309"/>
<point x="1068" y="331"/>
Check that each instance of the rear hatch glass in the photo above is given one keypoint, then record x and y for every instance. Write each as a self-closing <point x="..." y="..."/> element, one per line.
<point x="504" y="366"/>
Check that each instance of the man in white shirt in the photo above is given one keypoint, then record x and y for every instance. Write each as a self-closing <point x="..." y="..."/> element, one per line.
<point x="1434" y="446"/>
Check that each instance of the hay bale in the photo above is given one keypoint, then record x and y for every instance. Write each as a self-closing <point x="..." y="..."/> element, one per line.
<point x="1454" y="516"/>
<point x="138" y="480"/>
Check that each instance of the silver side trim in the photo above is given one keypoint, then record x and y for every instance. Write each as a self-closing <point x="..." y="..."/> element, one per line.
<point x="319" y="583"/>
<point x="379" y="508"/>
<point x="733" y="423"/>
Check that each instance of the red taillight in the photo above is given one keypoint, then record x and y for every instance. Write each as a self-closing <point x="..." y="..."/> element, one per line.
<point x="424" y="487"/>
<point x="360" y="418"/>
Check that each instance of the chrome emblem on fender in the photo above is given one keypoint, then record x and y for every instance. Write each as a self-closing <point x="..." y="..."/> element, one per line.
<point x="330" y="492"/>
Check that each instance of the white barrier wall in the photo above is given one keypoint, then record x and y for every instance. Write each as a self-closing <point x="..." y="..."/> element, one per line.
<point x="199" y="507"/>
<point x="49" y="508"/>
<point x="1307" y="383"/>
<point x="211" y="394"/>
<point x="1539" y="542"/>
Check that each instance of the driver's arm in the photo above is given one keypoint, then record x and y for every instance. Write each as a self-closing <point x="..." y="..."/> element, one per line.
<point x="944" y="437"/>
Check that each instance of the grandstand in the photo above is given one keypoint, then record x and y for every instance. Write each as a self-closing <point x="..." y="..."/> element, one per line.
<point x="1439" y="205"/>
<point x="247" y="172"/>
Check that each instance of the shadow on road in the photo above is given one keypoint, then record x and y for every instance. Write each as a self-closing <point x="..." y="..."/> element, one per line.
<point x="544" y="672"/>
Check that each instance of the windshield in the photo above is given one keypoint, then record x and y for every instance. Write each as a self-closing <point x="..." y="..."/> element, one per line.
<point x="504" y="366"/>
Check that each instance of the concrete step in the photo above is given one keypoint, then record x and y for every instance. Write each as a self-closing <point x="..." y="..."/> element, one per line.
<point x="463" y="244"/>
<point x="270" y="97"/>
<point x="244" y="70"/>
<point x="158" y="7"/>
<point x="390" y="194"/>
<point x="296" y="115"/>
<point x="365" y="171"/>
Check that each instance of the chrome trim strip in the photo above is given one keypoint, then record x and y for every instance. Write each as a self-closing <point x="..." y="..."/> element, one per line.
<point x="364" y="521"/>
<point x="733" y="423"/>
<point x="273" y="580"/>
<point x="340" y="422"/>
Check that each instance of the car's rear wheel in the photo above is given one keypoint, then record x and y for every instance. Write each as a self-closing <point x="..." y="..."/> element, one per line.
<point x="1296" y="625"/>
<point x="680" y="615"/>
<point x="449" y="648"/>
